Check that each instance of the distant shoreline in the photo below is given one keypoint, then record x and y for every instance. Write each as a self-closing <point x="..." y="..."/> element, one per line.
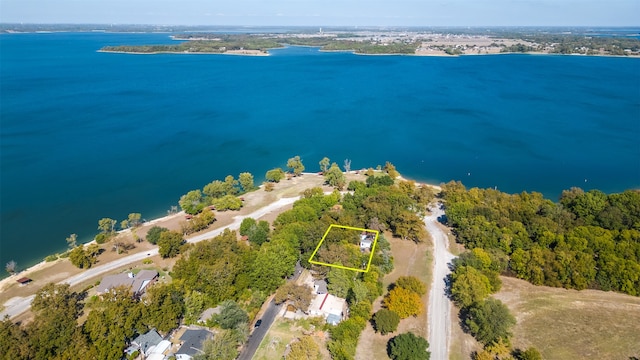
<point x="267" y="53"/>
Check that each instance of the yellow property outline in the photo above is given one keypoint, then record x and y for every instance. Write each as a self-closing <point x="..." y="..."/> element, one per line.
<point x="373" y="248"/>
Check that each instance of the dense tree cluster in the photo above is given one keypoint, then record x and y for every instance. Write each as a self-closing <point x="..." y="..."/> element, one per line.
<point x="587" y="240"/>
<point x="114" y="320"/>
<point x="218" y="193"/>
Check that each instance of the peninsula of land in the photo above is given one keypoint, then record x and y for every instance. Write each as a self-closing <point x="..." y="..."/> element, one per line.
<point x="395" y="42"/>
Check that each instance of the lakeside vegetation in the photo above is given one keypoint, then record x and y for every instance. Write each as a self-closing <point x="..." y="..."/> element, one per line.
<point x="232" y="273"/>
<point x="587" y="240"/>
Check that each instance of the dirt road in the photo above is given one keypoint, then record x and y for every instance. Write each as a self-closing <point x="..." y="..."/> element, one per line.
<point x="439" y="303"/>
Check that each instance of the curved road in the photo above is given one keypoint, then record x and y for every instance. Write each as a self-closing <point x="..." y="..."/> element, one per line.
<point x="18" y="305"/>
<point x="439" y="303"/>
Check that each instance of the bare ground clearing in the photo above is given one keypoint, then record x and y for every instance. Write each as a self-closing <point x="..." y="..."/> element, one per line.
<point x="571" y="324"/>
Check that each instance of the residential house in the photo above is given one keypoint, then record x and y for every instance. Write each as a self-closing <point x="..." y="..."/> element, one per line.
<point x="192" y="340"/>
<point x="138" y="283"/>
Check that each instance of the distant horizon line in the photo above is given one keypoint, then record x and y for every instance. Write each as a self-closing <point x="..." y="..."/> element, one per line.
<point x="322" y="26"/>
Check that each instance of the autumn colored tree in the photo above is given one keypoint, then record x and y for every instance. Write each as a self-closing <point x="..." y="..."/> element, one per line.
<point x="304" y="349"/>
<point x="403" y="302"/>
<point x="300" y="296"/>
<point x="412" y="283"/>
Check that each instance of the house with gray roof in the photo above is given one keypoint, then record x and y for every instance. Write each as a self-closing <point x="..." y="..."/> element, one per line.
<point x="138" y="283"/>
<point x="192" y="340"/>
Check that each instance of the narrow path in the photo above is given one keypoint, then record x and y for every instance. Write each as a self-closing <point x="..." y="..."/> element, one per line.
<point x="16" y="306"/>
<point x="439" y="304"/>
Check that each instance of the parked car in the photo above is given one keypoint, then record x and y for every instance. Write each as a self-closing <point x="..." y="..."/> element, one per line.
<point x="258" y="323"/>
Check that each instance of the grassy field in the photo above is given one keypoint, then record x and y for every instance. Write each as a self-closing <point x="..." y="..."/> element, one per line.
<point x="570" y="324"/>
<point x="282" y="332"/>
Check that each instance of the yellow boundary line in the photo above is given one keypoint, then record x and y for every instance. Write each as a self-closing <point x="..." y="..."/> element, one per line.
<point x="373" y="248"/>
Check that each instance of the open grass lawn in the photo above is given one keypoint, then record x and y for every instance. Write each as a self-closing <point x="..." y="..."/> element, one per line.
<point x="282" y="332"/>
<point x="409" y="259"/>
<point x="570" y="324"/>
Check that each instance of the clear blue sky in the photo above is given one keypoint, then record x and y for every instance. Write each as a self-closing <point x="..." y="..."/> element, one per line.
<point x="327" y="12"/>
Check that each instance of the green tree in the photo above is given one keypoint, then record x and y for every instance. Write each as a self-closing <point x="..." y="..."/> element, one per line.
<point x="412" y="283"/>
<point x="107" y="225"/>
<point x="231" y="185"/>
<point x="223" y="346"/>
<point x="56" y="310"/>
<point x="216" y="189"/>
<point x="114" y="320"/>
<point x="275" y="260"/>
<point x="339" y="281"/>
<point x="247" y="225"/>
<point x="335" y="177"/>
<point x="391" y="170"/>
<point x="274" y="175"/>
<point x="385" y="321"/>
<point x="489" y="321"/>
<point x="194" y="304"/>
<point x="324" y="164"/>
<point x="227" y="202"/>
<point x="231" y="315"/>
<point x="79" y="258"/>
<point x="469" y="286"/>
<point x="295" y="164"/>
<point x="13" y="340"/>
<point x="530" y="354"/>
<point x="134" y="219"/>
<point x="163" y="307"/>
<point x="403" y="302"/>
<point x="153" y="235"/>
<point x="170" y="243"/>
<point x="300" y="296"/>
<point x="192" y="202"/>
<point x="246" y="181"/>
<point x="304" y="349"/>
<point x="408" y="346"/>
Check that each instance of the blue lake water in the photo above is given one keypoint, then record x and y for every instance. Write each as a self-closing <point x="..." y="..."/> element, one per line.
<point x="86" y="135"/>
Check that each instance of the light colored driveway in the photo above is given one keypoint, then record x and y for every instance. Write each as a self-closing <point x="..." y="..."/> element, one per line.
<point x="439" y="303"/>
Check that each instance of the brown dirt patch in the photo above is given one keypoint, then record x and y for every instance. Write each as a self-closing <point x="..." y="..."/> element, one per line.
<point x="571" y="324"/>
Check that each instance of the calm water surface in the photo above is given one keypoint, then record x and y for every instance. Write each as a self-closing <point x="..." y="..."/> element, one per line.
<point x="86" y="135"/>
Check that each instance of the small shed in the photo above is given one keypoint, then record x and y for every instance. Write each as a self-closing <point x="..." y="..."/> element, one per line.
<point x="24" y="280"/>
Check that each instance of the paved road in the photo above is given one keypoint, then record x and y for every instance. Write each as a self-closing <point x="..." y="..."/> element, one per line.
<point x="255" y="339"/>
<point x="269" y="316"/>
<point x="18" y="305"/>
<point x="439" y="303"/>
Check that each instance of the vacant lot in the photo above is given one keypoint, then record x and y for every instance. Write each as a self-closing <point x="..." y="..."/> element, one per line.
<point x="570" y="324"/>
<point x="409" y="258"/>
<point x="282" y="332"/>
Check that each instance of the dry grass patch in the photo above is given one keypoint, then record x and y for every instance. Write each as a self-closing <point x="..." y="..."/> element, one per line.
<point x="409" y="258"/>
<point x="570" y="324"/>
<point x="282" y="332"/>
